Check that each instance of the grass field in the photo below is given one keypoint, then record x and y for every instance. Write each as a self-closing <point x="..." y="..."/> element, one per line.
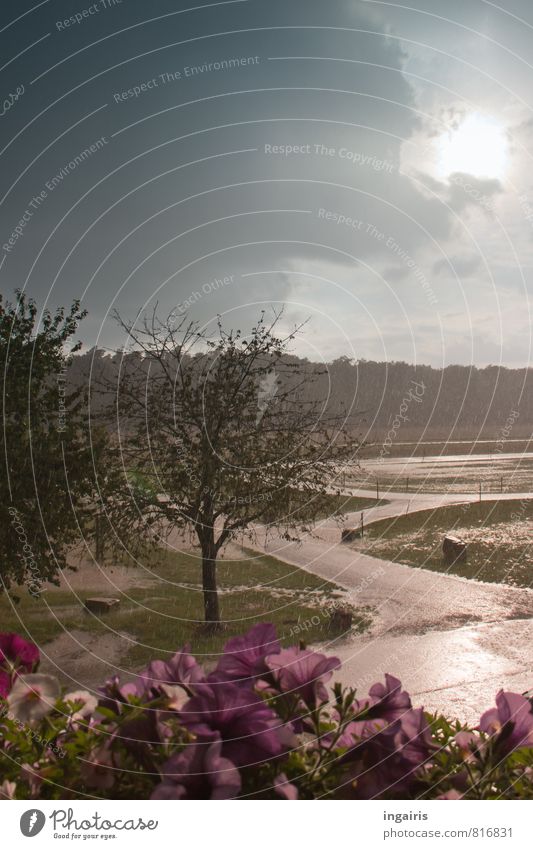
<point x="165" y="611"/>
<point x="498" y="535"/>
<point x="465" y="474"/>
<point x="431" y="447"/>
<point x="351" y="504"/>
<point x="336" y="506"/>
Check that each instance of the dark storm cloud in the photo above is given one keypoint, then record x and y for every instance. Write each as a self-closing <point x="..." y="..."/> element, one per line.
<point x="193" y="145"/>
<point x="159" y="150"/>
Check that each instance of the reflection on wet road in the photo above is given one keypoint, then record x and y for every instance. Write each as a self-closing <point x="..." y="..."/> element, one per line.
<point x="453" y="642"/>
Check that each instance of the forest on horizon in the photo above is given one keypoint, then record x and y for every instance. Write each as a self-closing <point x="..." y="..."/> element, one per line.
<point x="454" y="403"/>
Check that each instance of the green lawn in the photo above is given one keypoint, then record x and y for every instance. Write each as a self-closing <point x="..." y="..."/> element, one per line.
<point x="498" y="535"/>
<point x="353" y="504"/>
<point x="334" y="505"/>
<point x="167" y="612"/>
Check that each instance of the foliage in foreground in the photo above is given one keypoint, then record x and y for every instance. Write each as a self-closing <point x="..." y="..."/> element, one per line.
<point x="49" y="457"/>
<point x="261" y="724"/>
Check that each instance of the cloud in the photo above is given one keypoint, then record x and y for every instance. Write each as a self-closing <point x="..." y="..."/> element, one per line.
<point x="465" y="190"/>
<point x="462" y="266"/>
<point x="186" y="194"/>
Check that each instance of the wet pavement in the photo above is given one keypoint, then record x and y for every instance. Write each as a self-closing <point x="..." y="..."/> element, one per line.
<point x="453" y="642"/>
<point x="457" y="672"/>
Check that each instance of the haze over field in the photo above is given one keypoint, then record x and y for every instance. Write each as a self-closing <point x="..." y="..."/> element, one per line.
<point x="455" y="403"/>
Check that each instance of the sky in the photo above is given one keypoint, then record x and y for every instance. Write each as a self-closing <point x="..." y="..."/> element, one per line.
<point x="363" y="166"/>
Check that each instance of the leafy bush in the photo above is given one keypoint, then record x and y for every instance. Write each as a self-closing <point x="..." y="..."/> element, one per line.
<point x="262" y="724"/>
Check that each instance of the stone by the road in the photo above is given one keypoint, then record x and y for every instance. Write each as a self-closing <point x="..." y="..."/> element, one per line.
<point x="454" y="549"/>
<point x="101" y="605"/>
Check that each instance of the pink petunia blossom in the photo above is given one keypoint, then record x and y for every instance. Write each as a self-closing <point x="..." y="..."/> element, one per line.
<point x="182" y="669"/>
<point x="85" y="702"/>
<point x="244" y="656"/>
<point x="33" y="696"/>
<point x="284" y="788"/>
<point x="304" y="673"/>
<point x="17" y="655"/>
<point x="8" y="789"/>
<point x="248" y="728"/>
<point x="199" y="772"/>
<point x="387" y="701"/>
<point x="510" y="722"/>
<point x="18" y="652"/>
<point x="98" y="770"/>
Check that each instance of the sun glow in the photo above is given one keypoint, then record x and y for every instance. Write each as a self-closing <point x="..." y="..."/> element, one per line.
<point x="477" y="147"/>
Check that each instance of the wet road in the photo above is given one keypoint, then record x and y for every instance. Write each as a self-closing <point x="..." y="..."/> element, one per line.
<point x="408" y="502"/>
<point x="456" y="671"/>
<point x="453" y="642"/>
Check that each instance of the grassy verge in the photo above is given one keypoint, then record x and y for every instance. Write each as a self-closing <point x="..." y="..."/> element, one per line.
<point x="333" y="505"/>
<point x="498" y="535"/>
<point x="339" y="505"/>
<point x="433" y="481"/>
<point x="167" y="611"/>
<point x="352" y="503"/>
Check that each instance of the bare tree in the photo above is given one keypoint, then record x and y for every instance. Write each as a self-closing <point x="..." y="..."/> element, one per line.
<point x="216" y="432"/>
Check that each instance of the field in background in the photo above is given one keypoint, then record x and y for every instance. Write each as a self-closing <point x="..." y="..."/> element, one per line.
<point x="452" y="473"/>
<point x="426" y="446"/>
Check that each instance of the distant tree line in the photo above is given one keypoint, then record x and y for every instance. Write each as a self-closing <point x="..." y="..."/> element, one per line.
<point x="458" y="402"/>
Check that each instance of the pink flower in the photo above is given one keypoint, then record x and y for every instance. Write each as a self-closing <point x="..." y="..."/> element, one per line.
<point x="33" y="777"/>
<point x="98" y="772"/>
<point x="182" y="669"/>
<point x="176" y="696"/>
<point x="199" y="772"/>
<point x="387" y="701"/>
<point x="468" y="743"/>
<point x="283" y="788"/>
<point x="303" y="673"/>
<point x="510" y="722"/>
<point x="33" y="696"/>
<point x="85" y="704"/>
<point x="244" y="657"/>
<point x="18" y="652"/>
<point x="386" y="756"/>
<point x="450" y="794"/>
<point x="115" y="694"/>
<point x="5" y="683"/>
<point x="248" y="728"/>
<point x="8" y="790"/>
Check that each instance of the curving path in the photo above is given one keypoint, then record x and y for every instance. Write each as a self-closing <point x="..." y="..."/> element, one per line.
<point x="453" y="642"/>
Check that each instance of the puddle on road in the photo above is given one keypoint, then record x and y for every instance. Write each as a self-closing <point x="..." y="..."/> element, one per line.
<point x="457" y="672"/>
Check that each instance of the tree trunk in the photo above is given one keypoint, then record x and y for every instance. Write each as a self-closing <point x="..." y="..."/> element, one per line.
<point x="100" y="542"/>
<point x="209" y="582"/>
